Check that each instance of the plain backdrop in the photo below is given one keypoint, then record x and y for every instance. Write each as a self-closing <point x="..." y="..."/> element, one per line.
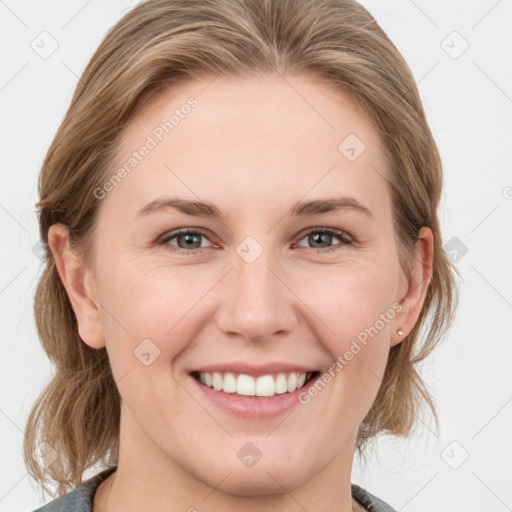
<point x="459" y="53"/>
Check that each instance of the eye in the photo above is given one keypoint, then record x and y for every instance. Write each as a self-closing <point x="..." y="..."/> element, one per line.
<point x="324" y="236"/>
<point x="188" y="241"/>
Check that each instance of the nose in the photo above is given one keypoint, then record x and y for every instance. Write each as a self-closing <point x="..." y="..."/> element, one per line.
<point x="257" y="302"/>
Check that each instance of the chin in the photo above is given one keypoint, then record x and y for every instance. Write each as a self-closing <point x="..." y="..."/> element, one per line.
<point x="259" y="483"/>
<point x="265" y="478"/>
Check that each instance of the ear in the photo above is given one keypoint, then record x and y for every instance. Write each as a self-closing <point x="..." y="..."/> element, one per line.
<point x="79" y="284"/>
<point x="417" y="286"/>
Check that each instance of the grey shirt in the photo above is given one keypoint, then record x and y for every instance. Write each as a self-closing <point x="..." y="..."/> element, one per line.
<point x="81" y="498"/>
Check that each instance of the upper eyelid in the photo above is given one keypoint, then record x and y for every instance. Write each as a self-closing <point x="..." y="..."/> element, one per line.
<point x="168" y="235"/>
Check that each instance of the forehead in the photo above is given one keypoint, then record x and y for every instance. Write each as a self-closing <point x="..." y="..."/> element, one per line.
<point x="270" y="137"/>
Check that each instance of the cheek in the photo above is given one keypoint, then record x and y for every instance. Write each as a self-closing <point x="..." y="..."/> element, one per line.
<point x="356" y="304"/>
<point x="353" y="300"/>
<point x="151" y="302"/>
<point x="136" y="291"/>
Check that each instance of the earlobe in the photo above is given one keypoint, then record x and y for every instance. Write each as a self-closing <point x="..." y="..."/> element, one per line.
<point x="419" y="280"/>
<point x="79" y="284"/>
<point x="397" y="337"/>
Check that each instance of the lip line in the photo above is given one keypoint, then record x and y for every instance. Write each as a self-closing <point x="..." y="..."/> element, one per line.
<point x="255" y="407"/>
<point x="240" y="367"/>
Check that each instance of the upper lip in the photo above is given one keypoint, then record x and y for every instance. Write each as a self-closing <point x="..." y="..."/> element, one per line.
<point x="245" y="368"/>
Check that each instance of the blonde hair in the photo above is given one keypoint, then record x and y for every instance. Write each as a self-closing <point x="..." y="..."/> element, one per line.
<point x="155" y="46"/>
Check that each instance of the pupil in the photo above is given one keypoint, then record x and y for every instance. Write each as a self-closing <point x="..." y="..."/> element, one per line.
<point x="318" y="237"/>
<point x="189" y="238"/>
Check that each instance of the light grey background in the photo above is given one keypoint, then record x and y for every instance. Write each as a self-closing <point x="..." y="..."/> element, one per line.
<point x="468" y="100"/>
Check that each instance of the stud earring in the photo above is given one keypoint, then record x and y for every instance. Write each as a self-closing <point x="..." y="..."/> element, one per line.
<point x="400" y="332"/>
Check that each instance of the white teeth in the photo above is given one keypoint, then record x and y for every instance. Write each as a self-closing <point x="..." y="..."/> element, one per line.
<point x="229" y="385"/>
<point x="280" y="385"/>
<point x="217" y="381"/>
<point x="265" y="386"/>
<point x="292" y="382"/>
<point x="247" y="385"/>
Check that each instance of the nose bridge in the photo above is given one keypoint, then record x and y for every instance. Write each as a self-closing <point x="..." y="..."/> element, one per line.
<point x="259" y="304"/>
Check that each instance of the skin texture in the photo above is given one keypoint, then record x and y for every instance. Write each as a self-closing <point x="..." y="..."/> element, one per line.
<point x="254" y="147"/>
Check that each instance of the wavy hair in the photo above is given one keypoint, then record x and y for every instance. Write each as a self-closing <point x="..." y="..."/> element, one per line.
<point x="155" y="46"/>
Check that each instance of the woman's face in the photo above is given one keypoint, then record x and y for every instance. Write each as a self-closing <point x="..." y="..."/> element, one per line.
<point x="253" y="287"/>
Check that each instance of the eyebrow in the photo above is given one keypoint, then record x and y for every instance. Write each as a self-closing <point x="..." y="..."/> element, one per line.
<point x="300" y="209"/>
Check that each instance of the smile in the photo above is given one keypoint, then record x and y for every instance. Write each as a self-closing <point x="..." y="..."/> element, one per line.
<point x="260" y="386"/>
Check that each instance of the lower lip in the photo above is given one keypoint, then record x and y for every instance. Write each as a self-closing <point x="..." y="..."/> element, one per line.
<point x="254" y="407"/>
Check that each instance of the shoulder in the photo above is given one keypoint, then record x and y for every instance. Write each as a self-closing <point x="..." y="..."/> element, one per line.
<point x="369" y="501"/>
<point x="79" y="499"/>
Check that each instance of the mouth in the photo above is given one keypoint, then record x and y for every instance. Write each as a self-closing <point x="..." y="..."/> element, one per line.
<point x="245" y="385"/>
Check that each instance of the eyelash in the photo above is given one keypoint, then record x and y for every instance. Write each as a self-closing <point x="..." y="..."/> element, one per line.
<point x="345" y="240"/>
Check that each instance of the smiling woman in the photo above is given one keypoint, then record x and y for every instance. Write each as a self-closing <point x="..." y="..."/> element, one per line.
<point x="241" y="306"/>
